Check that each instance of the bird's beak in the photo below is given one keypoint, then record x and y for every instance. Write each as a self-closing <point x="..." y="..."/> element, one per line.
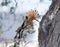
<point x="36" y="20"/>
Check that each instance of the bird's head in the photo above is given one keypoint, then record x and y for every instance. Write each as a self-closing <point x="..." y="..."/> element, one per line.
<point x="32" y="15"/>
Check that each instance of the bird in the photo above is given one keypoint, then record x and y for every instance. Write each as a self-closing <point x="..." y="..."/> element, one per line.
<point x="27" y="24"/>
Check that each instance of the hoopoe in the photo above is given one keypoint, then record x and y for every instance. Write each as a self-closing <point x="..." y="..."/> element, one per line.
<point x="27" y="24"/>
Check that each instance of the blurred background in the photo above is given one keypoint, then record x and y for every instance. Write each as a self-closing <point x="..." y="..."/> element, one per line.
<point x="13" y="12"/>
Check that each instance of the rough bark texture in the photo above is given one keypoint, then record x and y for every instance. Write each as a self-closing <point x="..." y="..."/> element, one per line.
<point x="49" y="30"/>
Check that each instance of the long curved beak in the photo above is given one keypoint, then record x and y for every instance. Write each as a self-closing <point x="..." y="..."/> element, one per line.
<point x="36" y="20"/>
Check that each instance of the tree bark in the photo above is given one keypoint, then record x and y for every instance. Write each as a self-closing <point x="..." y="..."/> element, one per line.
<point x="49" y="29"/>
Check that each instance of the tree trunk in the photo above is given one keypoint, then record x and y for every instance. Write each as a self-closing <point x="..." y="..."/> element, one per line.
<point x="49" y="29"/>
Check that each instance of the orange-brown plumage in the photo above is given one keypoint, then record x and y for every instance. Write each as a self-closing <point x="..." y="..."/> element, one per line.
<point x="31" y="16"/>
